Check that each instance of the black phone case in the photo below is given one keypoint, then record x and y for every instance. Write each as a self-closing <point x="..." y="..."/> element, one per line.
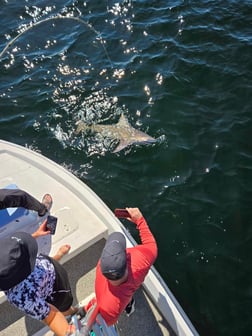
<point x="51" y="224"/>
<point x="121" y="213"/>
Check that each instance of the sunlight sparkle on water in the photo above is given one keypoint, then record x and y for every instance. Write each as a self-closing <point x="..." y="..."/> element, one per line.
<point x="50" y="43"/>
<point x="159" y="78"/>
<point x="28" y="65"/>
<point x="147" y="90"/>
<point x="66" y="70"/>
<point x="118" y="73"/>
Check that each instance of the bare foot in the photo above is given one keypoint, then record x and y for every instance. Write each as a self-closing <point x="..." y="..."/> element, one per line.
<point x="64" y="249"/>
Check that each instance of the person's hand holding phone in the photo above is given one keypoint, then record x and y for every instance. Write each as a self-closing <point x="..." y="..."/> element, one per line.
<point x="135" y="214"/>
<point x="41" y="231"/>
<point x="121" y="213"/>
<point x="51" y="224"/>
<point x="132" y="214"/>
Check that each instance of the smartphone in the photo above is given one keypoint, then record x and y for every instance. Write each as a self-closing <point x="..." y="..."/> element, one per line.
<point x="121" y="213"/>
<point x="51" y="224"/>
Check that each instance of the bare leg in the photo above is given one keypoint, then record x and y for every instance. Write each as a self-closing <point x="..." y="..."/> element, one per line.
<point x="64" y="249"/>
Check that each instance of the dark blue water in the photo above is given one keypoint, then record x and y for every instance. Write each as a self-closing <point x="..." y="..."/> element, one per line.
<point x="181" y="72"/>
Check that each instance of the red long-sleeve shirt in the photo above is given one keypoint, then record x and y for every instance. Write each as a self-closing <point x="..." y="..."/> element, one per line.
<point x="112" y="300"/>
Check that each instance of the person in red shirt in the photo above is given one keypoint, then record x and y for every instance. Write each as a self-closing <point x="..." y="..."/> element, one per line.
<point x="121" y="271"/>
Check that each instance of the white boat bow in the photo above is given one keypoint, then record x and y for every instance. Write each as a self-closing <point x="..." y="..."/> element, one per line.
<point x="83" y="220"/>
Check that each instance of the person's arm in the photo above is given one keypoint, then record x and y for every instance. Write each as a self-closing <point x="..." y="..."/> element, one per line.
<point x="57" y="322"/>
<point x="41" y="231"/>
<point x="14" y="198"/>
<point x="149" y="245"/>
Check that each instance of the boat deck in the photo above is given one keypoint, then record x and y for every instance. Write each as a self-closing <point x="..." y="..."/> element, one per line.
<point x="71" y="205"/>
<point x="146" y="320"/>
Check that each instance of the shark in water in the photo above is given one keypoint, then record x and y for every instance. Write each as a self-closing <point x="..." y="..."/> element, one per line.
<point x="122" y="131"/>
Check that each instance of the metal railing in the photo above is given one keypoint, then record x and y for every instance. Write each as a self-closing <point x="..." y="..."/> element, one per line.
<point x="93" y="324"/>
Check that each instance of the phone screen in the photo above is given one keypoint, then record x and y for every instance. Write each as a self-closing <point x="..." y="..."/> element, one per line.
<point x="51" y="224"/>
<point x="121" y="213"/>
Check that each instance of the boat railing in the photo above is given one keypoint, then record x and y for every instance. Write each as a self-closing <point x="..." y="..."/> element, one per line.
<point x="93" y="324"/>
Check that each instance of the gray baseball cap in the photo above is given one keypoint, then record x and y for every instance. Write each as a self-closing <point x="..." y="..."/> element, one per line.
<point x="113" y="259"/>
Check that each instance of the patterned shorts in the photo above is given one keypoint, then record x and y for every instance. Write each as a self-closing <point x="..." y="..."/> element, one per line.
<point x="61" y="297"/>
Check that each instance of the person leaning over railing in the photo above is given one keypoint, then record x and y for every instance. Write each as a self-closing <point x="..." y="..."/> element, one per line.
<point x="121" y="271"/>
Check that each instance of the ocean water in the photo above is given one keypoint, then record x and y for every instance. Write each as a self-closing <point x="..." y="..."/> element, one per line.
<point x="179" y="71"/>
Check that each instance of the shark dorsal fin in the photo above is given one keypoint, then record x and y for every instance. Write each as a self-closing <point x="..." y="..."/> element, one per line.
<point x="123" y="121"/>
